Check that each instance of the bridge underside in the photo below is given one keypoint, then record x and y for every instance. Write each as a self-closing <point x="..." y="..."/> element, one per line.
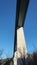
<point x="21" y="9"/>
<point x="19" y="42"/>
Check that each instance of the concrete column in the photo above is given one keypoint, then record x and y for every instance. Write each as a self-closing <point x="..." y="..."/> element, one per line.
<point x="21" y="44"/>
<point x="21" y="47"/>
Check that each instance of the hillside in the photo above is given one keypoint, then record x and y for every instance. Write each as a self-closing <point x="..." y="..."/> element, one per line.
<point x="31" y="60"/>
<point x="8" y="61"/>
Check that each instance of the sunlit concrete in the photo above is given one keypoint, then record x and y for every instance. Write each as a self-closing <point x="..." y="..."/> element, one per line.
<point x="21" y="46"/>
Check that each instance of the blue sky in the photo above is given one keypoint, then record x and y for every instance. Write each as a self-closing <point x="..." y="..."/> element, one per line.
<point x="7" y="26"/>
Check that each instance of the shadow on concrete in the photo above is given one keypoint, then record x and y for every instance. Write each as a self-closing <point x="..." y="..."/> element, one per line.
<point x="21" y="61"/>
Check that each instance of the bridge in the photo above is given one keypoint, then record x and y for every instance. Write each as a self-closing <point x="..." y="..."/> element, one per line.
<point x="20" y="49"/>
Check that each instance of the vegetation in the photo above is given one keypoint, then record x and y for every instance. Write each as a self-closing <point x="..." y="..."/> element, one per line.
<point x="8" y="61"/>
<point x="31" y="60"/>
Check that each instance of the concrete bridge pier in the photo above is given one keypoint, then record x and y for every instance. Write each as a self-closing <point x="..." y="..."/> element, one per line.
<point x="21" y="51"/>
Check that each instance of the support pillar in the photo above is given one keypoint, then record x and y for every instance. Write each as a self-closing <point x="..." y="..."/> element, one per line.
<point x="21" y="51"/>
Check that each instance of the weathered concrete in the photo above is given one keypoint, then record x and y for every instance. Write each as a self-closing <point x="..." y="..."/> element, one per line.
<point x="21" y="44"/>
<point x="21" y="47"/>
